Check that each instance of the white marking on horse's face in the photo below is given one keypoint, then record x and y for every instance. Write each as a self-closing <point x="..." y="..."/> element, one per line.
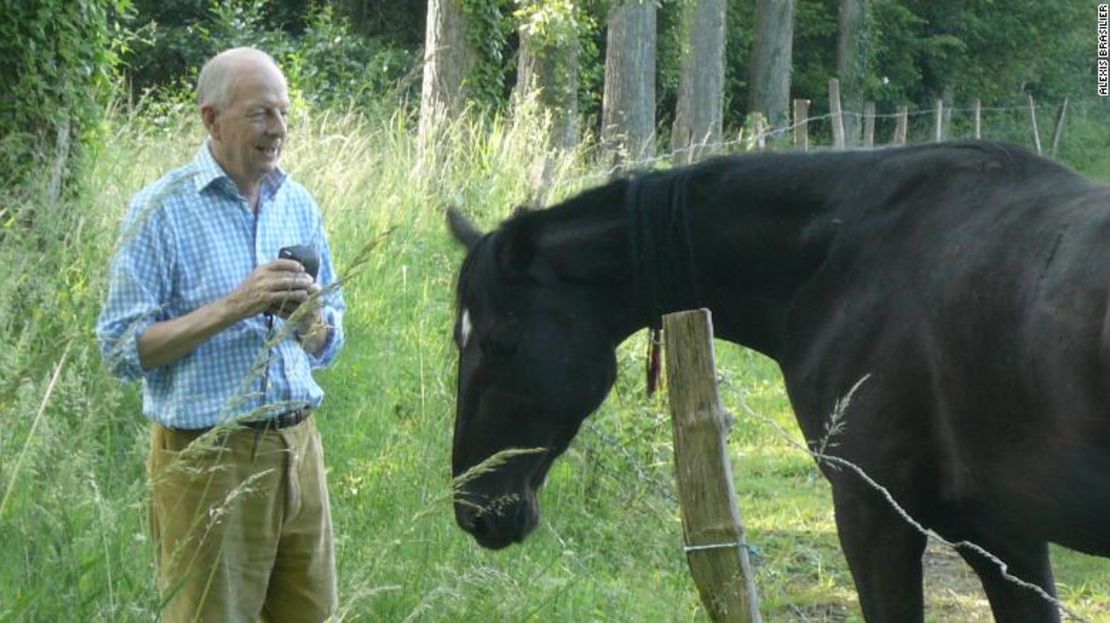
<point x="464" y="328"/>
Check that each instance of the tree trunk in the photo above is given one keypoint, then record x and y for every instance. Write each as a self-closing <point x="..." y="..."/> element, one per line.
<point x="772" y="61"/>
<point x="448" y="60"/>
<point x="547" y="83"/>
<point x="549" y="73"/>
<point x="628" y="105"/>
<point x="697" y="121"/>
<point x="851" y="65"/>
<point x="948" y="96"/>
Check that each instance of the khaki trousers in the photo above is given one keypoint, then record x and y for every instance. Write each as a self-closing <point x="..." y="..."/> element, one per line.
<point x="242" y="533"/>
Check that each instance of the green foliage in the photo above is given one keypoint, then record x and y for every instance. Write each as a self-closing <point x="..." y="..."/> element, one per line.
<point x="555" y="27"/>
<point x="487" y="30"/>
<point x="57" y="62"/>
<point x="322" y="57"/>
<point x="399" y="21"/>
<point x="915" y="49"/>
<point x="591" y="65"/>
<point x="332" y="65"/>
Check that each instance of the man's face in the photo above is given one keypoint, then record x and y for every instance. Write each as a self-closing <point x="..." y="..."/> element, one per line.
<point x="248" y="134"/>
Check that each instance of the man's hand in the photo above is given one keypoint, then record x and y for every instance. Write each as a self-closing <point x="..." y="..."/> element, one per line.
<point x="312" y="328"/>
<point x="277" y="287"/>
<point x="313" y="304"/>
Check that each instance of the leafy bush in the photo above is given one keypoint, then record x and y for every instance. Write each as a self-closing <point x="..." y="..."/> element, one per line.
<point x="57" y="62"/>
<point x="331" y="64"/>
<point x="322" y="57"/>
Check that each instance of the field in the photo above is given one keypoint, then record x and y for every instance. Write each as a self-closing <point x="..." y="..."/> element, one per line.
<point x="73" y="444"/>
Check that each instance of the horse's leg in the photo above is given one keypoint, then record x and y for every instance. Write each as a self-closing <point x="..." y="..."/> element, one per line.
<point x="1026" y="559"/>
<point x="884" y="554"/>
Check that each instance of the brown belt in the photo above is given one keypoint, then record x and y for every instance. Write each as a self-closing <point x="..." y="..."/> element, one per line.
<point x="285" y="420"/>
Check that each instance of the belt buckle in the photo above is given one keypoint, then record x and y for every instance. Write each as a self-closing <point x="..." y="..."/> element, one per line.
<point x="292" y="418"/>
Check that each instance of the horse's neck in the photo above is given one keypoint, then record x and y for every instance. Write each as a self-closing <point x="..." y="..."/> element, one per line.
<point x="758" y="231"/>
<point x="737" y="236"/>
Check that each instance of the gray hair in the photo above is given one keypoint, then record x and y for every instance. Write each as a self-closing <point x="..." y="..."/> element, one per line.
<point x="215" y="85"/>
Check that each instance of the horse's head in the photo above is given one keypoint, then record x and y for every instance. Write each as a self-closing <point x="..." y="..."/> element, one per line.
<point x="536" y="356"/>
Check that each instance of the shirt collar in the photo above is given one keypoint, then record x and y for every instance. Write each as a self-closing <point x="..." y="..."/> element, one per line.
<point x="210" y="172"/>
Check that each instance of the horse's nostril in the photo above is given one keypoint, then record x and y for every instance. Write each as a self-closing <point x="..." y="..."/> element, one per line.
<point x="481" y="526"/>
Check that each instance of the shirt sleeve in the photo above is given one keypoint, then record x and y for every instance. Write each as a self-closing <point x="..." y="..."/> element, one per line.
<point x="138" y="288"/>
<point x="334" y="305"/>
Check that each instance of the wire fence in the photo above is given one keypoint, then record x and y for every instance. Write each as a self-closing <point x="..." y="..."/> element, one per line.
<point x="664" y="489"/>
<point x="753" y="138"/>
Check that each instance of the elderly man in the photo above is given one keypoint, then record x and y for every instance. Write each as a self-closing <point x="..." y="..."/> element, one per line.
<point x="223" y="334"/>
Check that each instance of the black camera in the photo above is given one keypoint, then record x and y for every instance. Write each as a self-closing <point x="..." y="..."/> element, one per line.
<point x="305" y="254"/>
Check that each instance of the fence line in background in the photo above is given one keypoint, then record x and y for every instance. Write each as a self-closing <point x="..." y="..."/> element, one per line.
<point x="801" y="138"/>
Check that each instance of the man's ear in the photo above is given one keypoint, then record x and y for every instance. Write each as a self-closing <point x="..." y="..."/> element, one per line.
<point x="208" y="116"/>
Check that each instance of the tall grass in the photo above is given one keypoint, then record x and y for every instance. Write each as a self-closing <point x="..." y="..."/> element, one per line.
<point x="73" y="442"/>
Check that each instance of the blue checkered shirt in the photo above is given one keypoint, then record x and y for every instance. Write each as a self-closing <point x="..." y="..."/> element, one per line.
<point x="188" y="240"/>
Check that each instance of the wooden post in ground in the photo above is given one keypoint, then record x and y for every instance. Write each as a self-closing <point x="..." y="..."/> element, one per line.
<point x="977" y="115"/>
<point x="716" y="549"/>
<point x="1033" y="121"/>
<point x="869" y="124"/>
<point x="837" y="117"/>
<point x="801" y="125"/>
<point x="1059" y="127"/>
<point x="760" y="129"/>
<point x="901" y="122"/>
<point x="938" y="120"/>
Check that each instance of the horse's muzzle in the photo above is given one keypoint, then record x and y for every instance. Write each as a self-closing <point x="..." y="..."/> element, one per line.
<point x="500" y="521"/>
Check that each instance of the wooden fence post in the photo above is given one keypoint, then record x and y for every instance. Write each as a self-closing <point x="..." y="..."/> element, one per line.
<point x="900" y="126"/>
<point x="938" y="120"/>
<point x="714" y="535"/>
<point x="1033" y="121"/>
<point x="837" y="117"/>
<point x="1059" y="127"/>
<point x="801" y="125"/>
<point x="977" y="114"/>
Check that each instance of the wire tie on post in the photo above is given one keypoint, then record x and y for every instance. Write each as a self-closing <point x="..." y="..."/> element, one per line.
<point x="737" y="544"/>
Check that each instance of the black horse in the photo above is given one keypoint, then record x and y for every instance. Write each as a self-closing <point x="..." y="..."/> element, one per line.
<point x="969" y="280"/>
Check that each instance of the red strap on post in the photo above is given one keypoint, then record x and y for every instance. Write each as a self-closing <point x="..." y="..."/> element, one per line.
<point x="653" y="365"/>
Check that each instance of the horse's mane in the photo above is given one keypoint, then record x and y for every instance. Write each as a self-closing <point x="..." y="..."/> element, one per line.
<point x="782" y="179"/>
<point x="771" y="172"/>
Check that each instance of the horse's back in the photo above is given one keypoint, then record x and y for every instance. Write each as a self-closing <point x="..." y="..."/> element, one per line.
<point x="975" y="297"/>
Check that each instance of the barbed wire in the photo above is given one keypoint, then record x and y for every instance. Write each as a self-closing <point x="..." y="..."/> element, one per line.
<point x="821" y="456"/>
<point x="661" y="489"/>
<point x="667" y="493"/>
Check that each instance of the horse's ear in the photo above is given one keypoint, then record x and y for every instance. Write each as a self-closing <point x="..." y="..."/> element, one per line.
<point x="462" y="229"/>
<point x="516" y="249"/>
